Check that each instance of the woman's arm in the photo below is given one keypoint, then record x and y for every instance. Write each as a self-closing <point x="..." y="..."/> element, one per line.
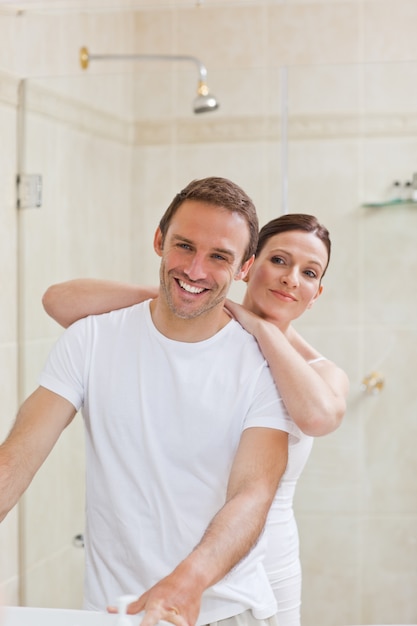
<point x="314" y="394"/>
<point x="70" y="301"/>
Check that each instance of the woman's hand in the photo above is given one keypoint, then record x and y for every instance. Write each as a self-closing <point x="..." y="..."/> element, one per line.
<point x="247" y="319"/>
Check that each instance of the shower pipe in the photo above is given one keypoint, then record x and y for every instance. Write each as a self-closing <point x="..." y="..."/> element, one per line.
<point x="203" y="102"/>
<point x="284" y="139"/>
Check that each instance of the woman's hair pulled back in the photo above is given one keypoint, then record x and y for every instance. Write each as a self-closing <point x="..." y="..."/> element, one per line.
<point x="295" y="221"/>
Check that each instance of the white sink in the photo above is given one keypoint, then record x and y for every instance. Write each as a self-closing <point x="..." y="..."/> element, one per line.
<point x="29" y="616"/>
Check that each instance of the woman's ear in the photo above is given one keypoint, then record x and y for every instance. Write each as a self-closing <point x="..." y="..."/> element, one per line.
<point x="314" y="298"/>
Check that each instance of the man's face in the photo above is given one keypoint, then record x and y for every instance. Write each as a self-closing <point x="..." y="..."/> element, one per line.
<point x="200" y="257"/>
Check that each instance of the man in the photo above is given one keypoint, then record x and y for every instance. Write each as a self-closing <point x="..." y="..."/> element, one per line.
<point x="186" y="434"/>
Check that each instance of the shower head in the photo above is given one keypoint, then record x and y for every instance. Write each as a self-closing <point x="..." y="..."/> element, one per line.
<point x="203" y="103"/>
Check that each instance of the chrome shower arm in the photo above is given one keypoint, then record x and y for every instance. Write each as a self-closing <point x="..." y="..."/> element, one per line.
<point x="202" y="103"/>
<point x="86" y="57"/>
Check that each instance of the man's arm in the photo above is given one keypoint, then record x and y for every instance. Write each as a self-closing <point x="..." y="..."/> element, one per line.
<point x="259" y="463"/>
<point x="69" y="301"/>
<point x="39" y="422"/>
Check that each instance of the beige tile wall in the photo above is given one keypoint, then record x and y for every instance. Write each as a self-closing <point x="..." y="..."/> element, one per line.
<point x="113" y="150"/>
<point x="8" y="327"/>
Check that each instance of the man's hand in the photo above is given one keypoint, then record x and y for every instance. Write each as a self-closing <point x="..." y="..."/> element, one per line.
<point x="176" y="599"/>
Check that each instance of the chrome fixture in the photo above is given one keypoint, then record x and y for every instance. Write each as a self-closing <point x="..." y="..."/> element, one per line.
<point x="78" y="541"/>
<point x="373" y="383"/>
<point x="203" y="102"/>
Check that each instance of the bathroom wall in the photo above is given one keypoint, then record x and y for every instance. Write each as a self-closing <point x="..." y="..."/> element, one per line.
<point x="352" y="108"/>
<point x="9" y="559"/>
<point x="83" y="227"/>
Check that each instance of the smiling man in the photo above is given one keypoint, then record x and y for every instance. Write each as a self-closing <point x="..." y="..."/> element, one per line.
<point x="200" y="257"/>
<point x="186" y="435"/>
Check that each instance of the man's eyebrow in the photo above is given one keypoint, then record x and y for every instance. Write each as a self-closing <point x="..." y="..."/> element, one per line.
<point x="181" y="238"/>
<point x="225" y="252"/>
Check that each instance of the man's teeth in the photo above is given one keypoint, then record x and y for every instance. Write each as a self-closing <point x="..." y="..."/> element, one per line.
<point x="190" y="288"/>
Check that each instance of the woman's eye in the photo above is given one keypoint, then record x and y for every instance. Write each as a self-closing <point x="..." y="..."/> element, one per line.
<point x="277" y="260"/>
<point x="310" y="273"/>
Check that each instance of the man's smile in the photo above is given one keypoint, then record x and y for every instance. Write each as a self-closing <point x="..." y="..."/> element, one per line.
<point x="190" y="288"/>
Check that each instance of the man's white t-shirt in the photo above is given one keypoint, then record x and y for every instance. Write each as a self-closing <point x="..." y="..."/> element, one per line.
<point x="163" y="421"/>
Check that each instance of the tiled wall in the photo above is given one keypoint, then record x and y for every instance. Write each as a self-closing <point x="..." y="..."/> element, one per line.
<point x="114" y="149"/>
<point x="8" y="312"/>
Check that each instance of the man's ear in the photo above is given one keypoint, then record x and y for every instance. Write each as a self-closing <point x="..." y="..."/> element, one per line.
<point x="312" y="301"/>
<point x="242" y="273"/>
<point x="158" y="242"/>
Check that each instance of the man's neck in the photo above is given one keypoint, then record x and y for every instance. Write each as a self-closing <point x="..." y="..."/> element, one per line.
<point x="189" y="330"/>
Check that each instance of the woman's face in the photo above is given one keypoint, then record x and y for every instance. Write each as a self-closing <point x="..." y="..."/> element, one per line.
<point x="284" y="280"/>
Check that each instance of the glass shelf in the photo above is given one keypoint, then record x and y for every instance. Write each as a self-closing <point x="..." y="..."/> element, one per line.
<point x="375" y="205"/>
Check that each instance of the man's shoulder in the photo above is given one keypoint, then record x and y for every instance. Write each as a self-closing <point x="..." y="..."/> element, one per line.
<point x="123" y="314"/>
<point x="245" y="341"/>
<point x="108" y="322"/>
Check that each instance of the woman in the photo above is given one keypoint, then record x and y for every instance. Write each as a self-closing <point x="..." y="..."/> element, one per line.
<point x="285" y="280"/>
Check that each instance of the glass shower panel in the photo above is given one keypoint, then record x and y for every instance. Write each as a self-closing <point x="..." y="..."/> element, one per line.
<point x="389" y="331"/>
<point x="76" y="134"/>
<point x="112" y="152"/>
<point x="352" y="133"/>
